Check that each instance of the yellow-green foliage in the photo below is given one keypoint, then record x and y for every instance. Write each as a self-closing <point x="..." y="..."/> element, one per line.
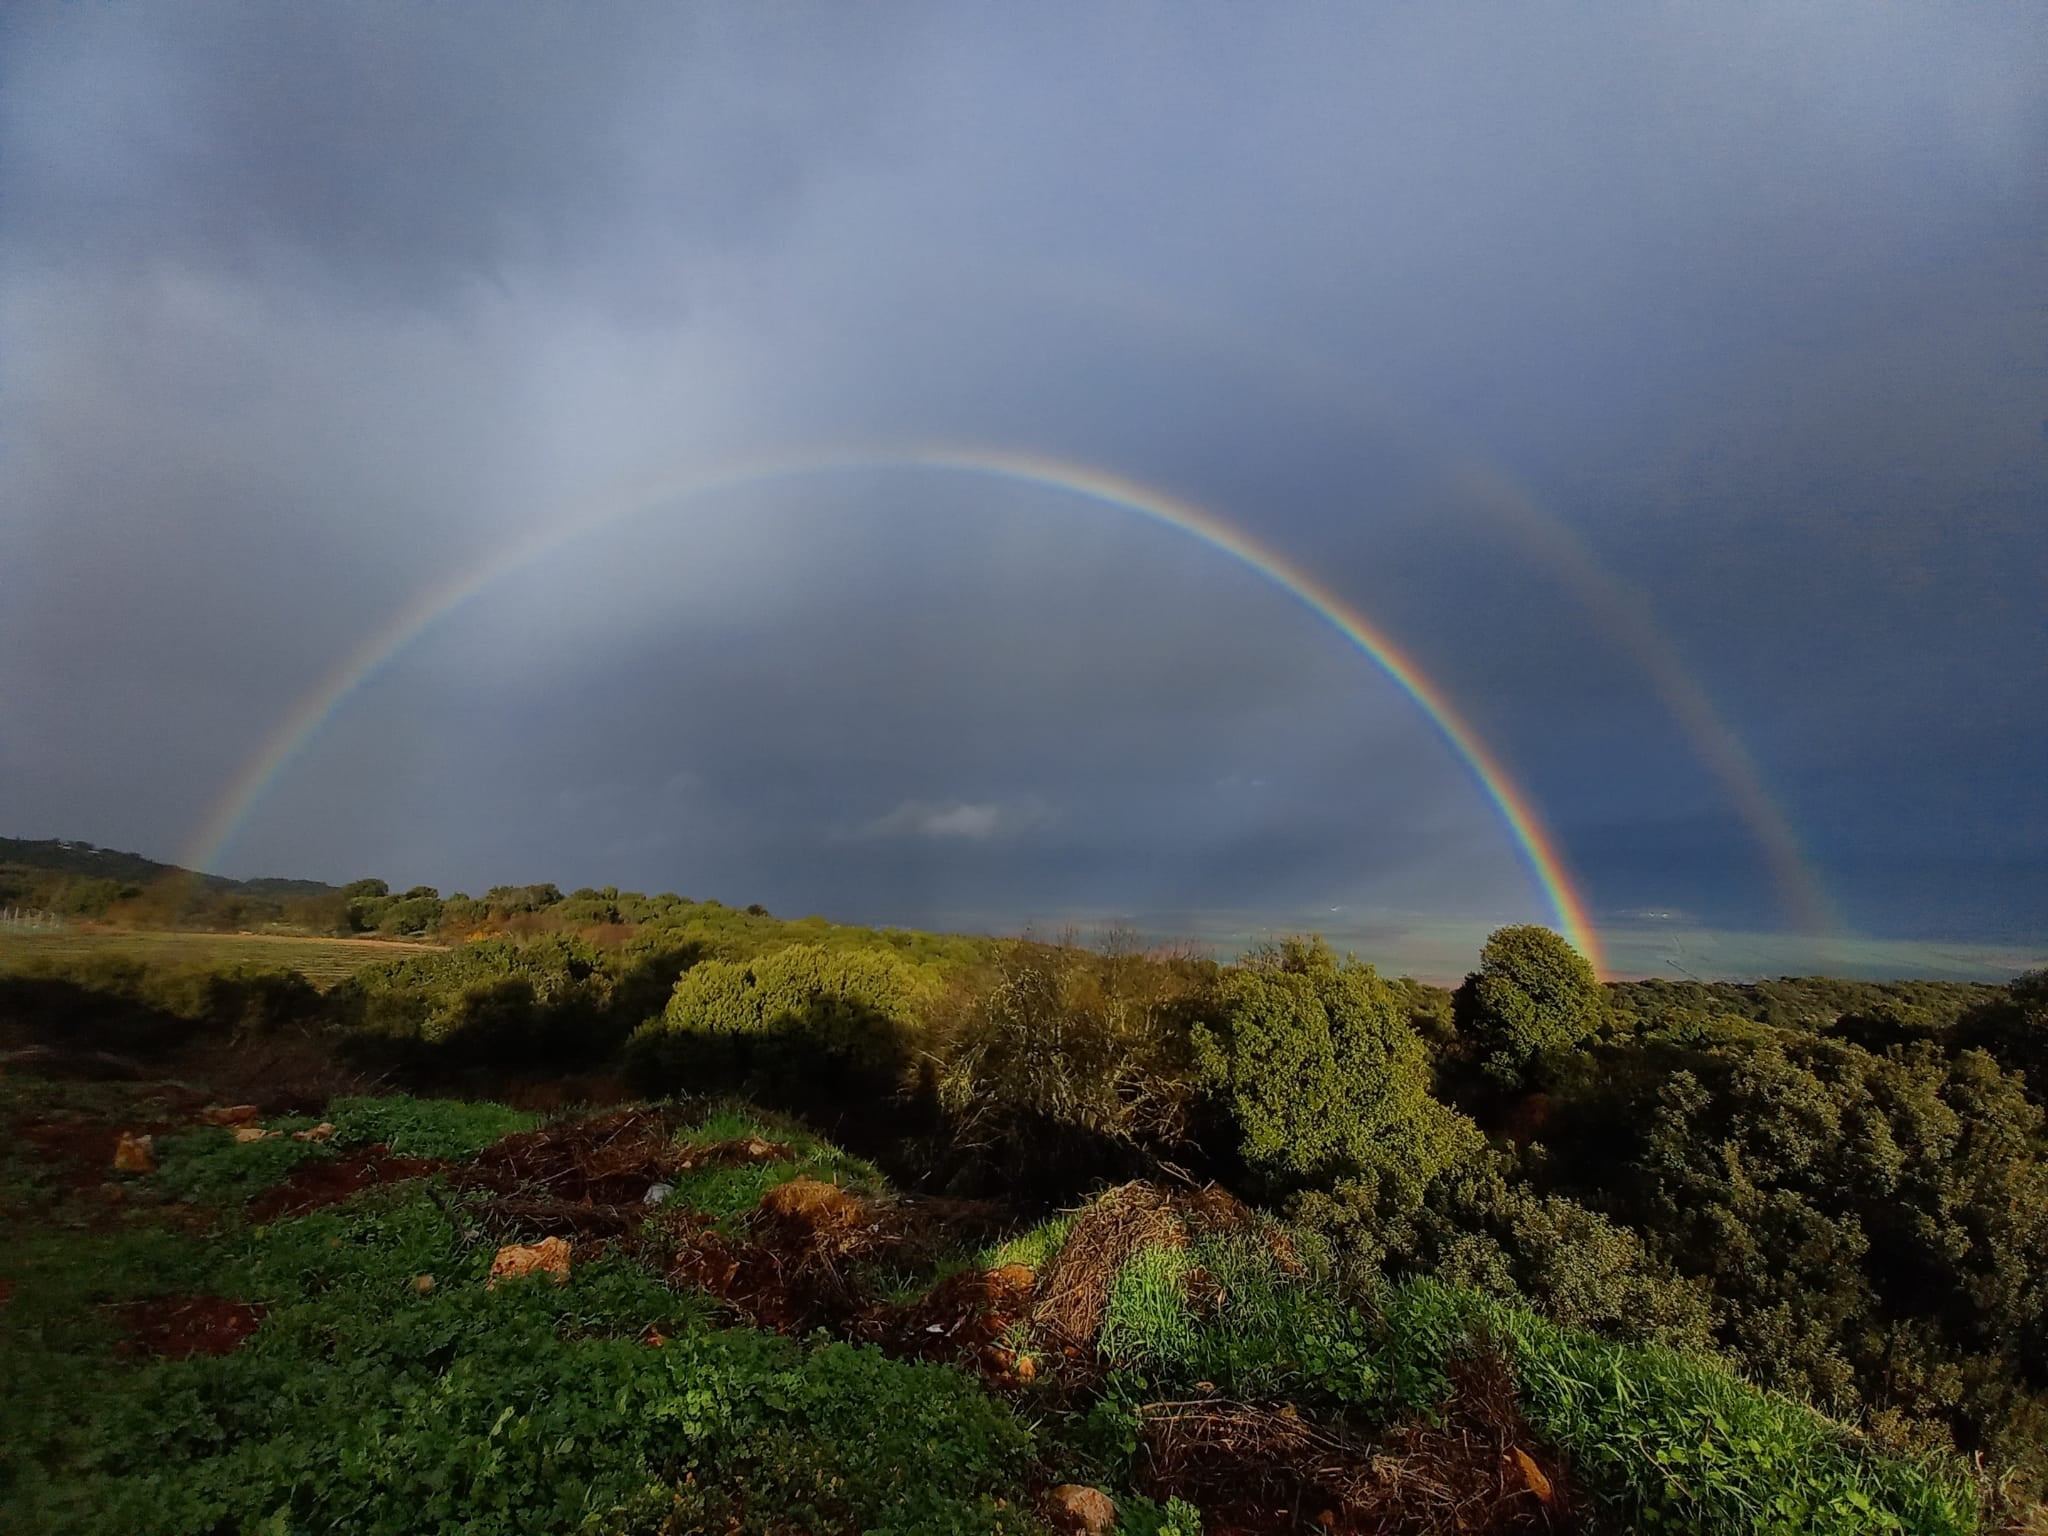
<point x="725" y="997"/>
<point x="110" y="998"/>
<point x="500" y="997"/>
<point x="321" y="961"/>
<point x="800" y="1011"/>
<point x="1034" y="1248"/>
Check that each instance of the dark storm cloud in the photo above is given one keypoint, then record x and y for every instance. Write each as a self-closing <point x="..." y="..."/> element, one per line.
<point x="308" y="309"/>
<point x="401" y="153"/>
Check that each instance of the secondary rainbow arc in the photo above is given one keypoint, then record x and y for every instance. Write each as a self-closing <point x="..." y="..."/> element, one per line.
<point x="1534" y="843"/>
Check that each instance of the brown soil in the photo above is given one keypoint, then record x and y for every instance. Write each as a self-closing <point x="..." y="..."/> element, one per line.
<point x="1075" y="1292"/>
<point x="322" y="1181"/>
<point x="736" y="1153"/>
<point x="963" y="1319"/>
<point x="82" y="1151"/>
<point x="584" y="1180"/>
<point x="609" y="1160"/>
<point x="1257" y="1469"/>
<point x="791" y="1270"/>
<point x="179" y="1327"/>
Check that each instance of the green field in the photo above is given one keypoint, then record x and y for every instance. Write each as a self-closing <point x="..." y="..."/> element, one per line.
<point x="322" y="961"/>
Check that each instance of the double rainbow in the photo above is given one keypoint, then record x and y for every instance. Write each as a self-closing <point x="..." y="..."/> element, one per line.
<point x="1534" y="843"/>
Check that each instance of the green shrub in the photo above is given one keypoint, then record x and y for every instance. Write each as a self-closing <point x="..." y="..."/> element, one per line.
<point x="802" y="1018"/>
<point x="1483" y="1230"/>
<point x="119" y="1003"/>
<point x="1533" y="993"/>
<point x="502" y="1001"/>
<point x="1327" y="1080"/>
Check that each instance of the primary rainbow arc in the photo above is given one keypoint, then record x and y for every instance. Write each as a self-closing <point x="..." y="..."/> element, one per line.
<point x="1533" y="841"/>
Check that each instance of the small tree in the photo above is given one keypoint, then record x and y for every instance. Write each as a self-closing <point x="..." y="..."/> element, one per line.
<point x="1327" y="1079"/>
<point x="1532" y="993"/>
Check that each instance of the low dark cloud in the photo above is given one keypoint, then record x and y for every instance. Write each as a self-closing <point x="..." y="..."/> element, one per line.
<point x="305" y="312"/>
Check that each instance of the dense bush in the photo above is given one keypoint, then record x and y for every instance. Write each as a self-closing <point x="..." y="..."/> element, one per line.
<point x="1327" y="1083"/>
<point x="1874" y="1229"/>
<point x="499" y="1000"/>
<point x="2014" y="1030"/>
<point x="1063" y="1061"/>
<point x="802" y="1020"/>
<point x="1485" y="1228"/>
<point x="112" y="1002"/>
<point x="1532" y="994"/>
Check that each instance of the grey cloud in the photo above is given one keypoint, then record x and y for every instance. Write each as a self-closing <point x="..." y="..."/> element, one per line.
<point x="305" y="313"/>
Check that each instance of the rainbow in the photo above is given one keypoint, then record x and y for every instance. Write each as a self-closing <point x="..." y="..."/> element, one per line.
<point x="1601" y="594"/>
<point x="1537" y="848"/>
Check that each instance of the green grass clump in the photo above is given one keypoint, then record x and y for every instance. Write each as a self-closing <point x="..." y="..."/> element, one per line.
<point x="436" y="1128"/>
<point x="1219" y="1310"/>
<point x="1035" y="1247"/>
<point x="1148" y="1318"/>
<point x="207" y="1166"/>
<point x="725" y="1192"/>
<point x="1664" y="1440"/>
<point x="1683" y="1445"/>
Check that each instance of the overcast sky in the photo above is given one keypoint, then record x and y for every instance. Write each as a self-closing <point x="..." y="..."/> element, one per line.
<point x="1570" y="344"/>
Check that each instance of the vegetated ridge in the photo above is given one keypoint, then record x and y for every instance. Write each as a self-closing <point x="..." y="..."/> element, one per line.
<point x="1274" y="1243"/>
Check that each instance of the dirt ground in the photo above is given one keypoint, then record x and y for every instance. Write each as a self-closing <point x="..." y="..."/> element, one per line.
<point x="179" y="1327"/>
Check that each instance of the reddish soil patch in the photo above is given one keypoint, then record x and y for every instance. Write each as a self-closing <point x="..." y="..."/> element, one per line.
<point x="82" y="1151"/>
<point x="791" y="1271"/>
<point x="768" y="1288"/>
<point x="585" y="1180"/>
<point x="179" y="1327"/>
<point x="963" y="1318"/>
<point x="800" y="1266"/>
<point x="322" y="1181"/>
<point x="610" y="1160"/>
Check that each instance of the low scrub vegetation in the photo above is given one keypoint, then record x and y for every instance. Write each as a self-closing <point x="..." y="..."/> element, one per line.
<point x="1829" y="1199"/>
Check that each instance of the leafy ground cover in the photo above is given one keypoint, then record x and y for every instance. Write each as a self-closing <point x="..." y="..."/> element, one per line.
<point x="758" y="1334"/>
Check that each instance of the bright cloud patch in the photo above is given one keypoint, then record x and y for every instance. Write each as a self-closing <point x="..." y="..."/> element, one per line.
<point x="968" y="821"/>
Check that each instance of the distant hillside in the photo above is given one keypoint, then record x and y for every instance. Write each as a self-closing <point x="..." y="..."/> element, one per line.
<point x="60" y="856"/>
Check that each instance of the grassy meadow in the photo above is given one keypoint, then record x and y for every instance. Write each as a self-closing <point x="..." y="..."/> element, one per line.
<point x="322" y="961"/>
